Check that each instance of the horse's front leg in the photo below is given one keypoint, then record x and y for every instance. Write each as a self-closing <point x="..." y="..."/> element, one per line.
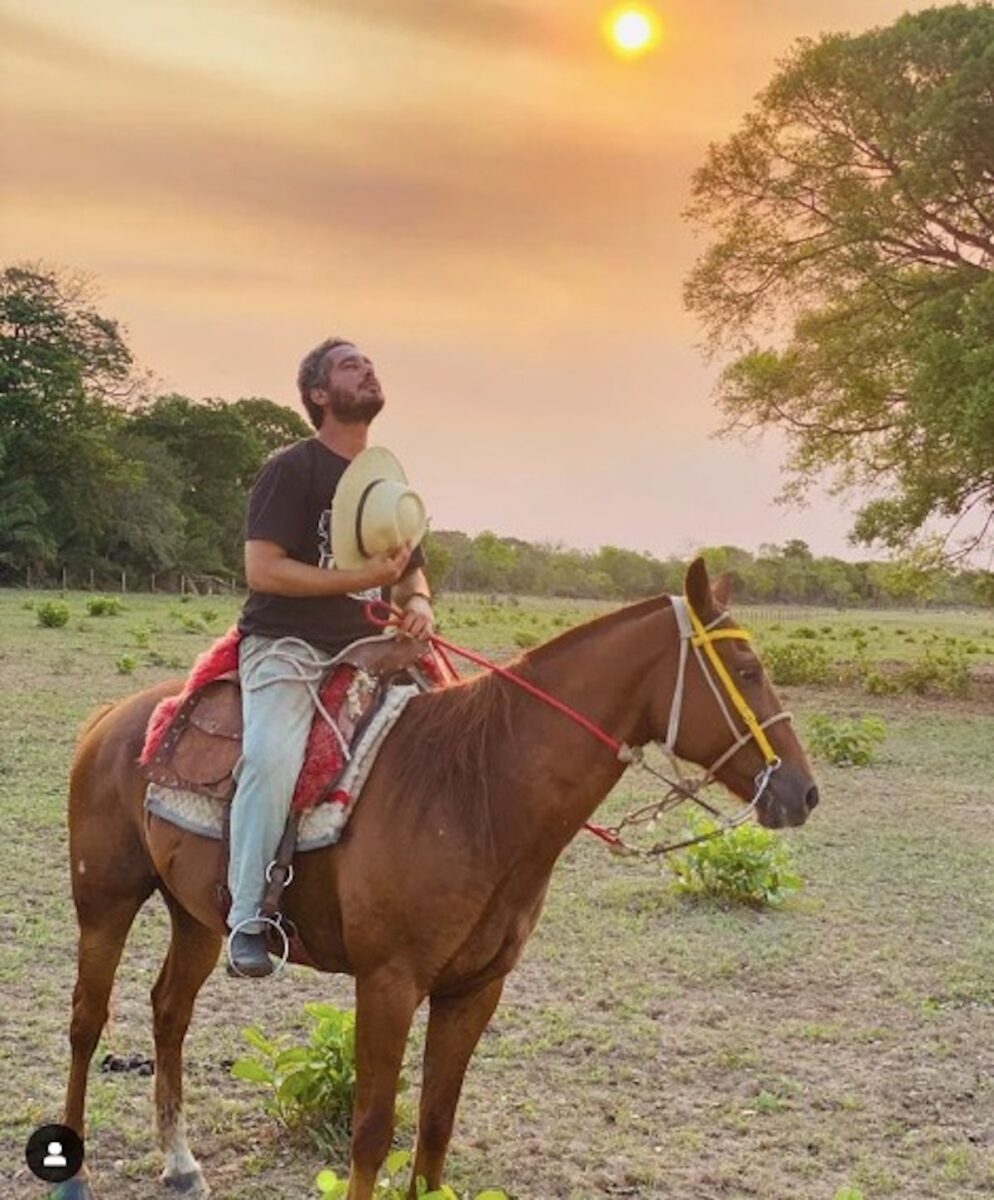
<point x="385" y="1005"/>
<point x="455" y="1024"/>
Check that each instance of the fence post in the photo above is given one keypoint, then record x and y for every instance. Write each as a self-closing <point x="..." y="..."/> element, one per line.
<point x="124" y="583"/>
<point x="153" y="582"/>
<point x="91" y="579"/>
<point x="65" y="579"/>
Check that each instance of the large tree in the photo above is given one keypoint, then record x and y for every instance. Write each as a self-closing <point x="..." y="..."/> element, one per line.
<point x="64" y="368"/>
<point x="852" y="272"/>
<point x="217" y="449"/>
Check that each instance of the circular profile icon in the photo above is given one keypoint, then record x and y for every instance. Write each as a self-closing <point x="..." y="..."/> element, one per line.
<point x="54" y="1153"/>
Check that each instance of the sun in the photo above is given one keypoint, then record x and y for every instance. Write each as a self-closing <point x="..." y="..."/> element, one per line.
<point x="632" y="29"/>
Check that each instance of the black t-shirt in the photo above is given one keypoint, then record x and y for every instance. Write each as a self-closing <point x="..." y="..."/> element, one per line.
<point x="290" y="504"/>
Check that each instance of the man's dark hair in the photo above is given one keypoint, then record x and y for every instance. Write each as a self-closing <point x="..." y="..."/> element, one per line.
<point x="312" y="375"/>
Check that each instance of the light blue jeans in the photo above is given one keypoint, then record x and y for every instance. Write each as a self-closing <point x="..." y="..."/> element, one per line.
<point x="277" y="710"/>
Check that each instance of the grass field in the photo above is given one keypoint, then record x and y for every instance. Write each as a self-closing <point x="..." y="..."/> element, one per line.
<point x="647" y="1046"/>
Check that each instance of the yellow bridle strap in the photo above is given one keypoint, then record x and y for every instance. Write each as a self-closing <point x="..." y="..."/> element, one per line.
<point x="705" y="638"/>
<point x="713" y="635"/>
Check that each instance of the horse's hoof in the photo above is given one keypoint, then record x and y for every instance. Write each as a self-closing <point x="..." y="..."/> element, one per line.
<point x="190" y="1183"/>
<point x="73" y="1189"/>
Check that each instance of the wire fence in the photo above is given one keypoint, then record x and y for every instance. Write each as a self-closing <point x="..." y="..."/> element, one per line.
<point x="130" y="579"/>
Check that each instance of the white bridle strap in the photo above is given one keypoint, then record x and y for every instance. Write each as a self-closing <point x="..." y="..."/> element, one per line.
<point x="685" y="627"/>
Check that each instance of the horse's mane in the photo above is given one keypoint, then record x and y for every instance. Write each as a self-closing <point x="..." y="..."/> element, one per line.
<point x="451" y="743"/>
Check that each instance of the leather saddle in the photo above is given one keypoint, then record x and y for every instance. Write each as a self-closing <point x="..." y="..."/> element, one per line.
<point x="203" y="743"/>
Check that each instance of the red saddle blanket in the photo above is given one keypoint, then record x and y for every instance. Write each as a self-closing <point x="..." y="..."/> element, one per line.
<point x="324" y="759"/>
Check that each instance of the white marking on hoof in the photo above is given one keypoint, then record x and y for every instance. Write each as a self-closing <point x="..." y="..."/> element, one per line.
<point x="182" y="1171"/>
<point x="190" y="1184"/>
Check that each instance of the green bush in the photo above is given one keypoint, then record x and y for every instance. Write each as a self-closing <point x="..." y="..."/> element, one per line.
<point x="126" y="664"/>
<point x="390" y="1186"/>
<point x="804" y="633"/>
<point x="103" y="606"/>
<point x="525" y="639"/>
<point x="789" y="662"/>
<point x="846" y="743"/>
<point x="942" y="669"/>
<point x="53" y="614"/>
<point x="746" y="865"/>
<point x="877" y="684"/>
<point x="310" y="1087"/>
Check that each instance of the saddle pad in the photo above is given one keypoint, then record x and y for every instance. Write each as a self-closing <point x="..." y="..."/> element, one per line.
<point x="319" y="826"/>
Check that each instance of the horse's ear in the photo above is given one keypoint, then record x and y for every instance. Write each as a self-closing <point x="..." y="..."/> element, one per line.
<point x="722" y="589"/>
<point x="697" y="588"/>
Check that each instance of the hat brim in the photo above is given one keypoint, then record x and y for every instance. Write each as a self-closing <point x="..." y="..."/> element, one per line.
<point x="369" y="465"/>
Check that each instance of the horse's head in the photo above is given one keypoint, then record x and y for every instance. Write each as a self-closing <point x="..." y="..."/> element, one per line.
<point x="728" y="717"/>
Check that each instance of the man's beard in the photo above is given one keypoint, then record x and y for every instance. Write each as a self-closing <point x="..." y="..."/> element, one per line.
<point x="350" y="409"/>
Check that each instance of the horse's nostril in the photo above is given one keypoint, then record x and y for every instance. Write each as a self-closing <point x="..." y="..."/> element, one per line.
<point x="811" y="799"/>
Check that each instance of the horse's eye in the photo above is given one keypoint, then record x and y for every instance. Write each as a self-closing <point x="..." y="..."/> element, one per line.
<point x="749" y="674"/>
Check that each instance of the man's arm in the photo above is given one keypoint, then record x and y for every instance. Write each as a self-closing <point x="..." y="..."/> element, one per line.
<point x="411" y="593"/>
<point x="270" y="569"/>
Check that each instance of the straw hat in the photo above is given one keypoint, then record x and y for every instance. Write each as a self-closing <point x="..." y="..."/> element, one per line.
<point x="373" y="509"/>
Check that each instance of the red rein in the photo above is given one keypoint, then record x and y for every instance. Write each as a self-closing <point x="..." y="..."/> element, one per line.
<point x="375" y="609"/>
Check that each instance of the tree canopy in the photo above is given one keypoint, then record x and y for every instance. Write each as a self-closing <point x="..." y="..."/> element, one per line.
<point x="853" y="215"/>
<point x="94" y="470"/>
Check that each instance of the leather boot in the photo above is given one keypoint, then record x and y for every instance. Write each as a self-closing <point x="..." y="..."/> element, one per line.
<point x="247" y="955"/>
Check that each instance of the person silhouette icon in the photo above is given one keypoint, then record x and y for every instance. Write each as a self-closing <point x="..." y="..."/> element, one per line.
<point x="54" y="1153"/>
<point x="54" y="1157"/>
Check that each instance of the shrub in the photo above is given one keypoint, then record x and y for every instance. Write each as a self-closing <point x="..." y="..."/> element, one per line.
<point x="878" y="684"/>
<point x="525" y="639"/>
<point x="103" y="606"/>
<point x="28" y="604"/>
<point x="745" y="865"/>
<point x="846" y="743"/>
<point x="944" y="670"/>
<point x="804" y="633"/>
<point x="794" y="663"/>
<point x="126" y="664"/>
<point x="53" y="614"/>
<point x="391" y="1187"/>
<point x="309" y="1087"/>
<point x="140" y="637"/>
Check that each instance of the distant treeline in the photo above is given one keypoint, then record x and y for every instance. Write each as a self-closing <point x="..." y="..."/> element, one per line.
<point x="99" y="474"/>
<point x="788" y="574"/>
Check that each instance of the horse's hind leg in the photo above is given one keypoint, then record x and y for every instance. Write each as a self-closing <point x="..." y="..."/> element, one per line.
<point x="193" y="951"/>
<point x="103" y="928"/>
<point x="455" y="1024"/>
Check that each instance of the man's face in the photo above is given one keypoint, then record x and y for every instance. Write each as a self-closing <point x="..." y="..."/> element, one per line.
<point x="353" y="395"/>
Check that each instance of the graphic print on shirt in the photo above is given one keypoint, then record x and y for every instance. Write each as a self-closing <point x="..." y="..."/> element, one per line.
<point x="327" y="560"/>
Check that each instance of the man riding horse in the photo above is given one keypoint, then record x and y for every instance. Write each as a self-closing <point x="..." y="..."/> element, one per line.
<point x="304" y="605"/>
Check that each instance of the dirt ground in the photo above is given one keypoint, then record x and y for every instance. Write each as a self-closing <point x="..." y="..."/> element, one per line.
<point x="647" y="1046"/>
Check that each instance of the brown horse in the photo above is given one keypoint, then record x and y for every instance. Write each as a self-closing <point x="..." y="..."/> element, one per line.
<point x="478" y="790"/>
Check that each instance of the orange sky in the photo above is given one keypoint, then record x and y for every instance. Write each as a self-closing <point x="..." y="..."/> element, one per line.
<point x="478" y="193"/>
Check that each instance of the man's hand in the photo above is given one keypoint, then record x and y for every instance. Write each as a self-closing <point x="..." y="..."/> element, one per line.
<point x="385" y="568"/>
<point x="418" y="620"/>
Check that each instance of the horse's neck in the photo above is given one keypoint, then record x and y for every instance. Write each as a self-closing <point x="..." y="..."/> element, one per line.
<point x="608" y="676"/>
